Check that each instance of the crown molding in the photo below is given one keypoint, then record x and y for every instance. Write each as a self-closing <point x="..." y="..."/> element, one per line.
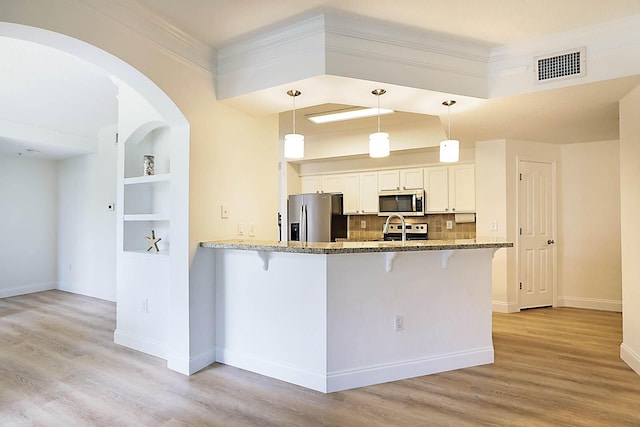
<point x="350" y="46"/>
<point x="158" y="31"/>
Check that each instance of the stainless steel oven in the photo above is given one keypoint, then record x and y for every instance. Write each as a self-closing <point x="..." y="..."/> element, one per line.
<point x="413" y="232"/>
<point x="405" y="203"/>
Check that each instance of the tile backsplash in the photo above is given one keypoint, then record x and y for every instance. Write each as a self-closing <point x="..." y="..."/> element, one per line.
<point x="437" y="229"/>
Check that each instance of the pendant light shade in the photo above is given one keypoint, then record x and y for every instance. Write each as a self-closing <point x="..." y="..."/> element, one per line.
<point x="379" y="144"/>
<point x="294" y="142"/>
<point x="449" y="149"/>
<point x="379" y="141"/>
<point x="293" y="146"/>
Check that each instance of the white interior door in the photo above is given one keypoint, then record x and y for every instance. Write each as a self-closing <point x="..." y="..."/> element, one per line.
<point x="536" y="209"/>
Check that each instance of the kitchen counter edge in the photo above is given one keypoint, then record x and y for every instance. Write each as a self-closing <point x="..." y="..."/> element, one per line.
<point x="354" y="247"/>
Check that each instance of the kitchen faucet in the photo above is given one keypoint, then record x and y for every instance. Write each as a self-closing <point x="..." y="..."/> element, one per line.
<point x="404" y="228"/>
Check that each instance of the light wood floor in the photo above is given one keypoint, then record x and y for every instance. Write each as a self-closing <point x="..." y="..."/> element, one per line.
<point x="59" y="367"/>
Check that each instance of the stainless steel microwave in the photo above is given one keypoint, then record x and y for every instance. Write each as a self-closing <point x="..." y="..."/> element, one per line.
<point x="405" y="203"/>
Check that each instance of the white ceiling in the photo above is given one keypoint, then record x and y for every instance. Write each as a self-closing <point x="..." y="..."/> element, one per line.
<point x="42" y="87"/>
<point x="48" y="98"/>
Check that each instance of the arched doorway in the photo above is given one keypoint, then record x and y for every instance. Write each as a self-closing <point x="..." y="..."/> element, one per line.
<point x="133" y="326"/>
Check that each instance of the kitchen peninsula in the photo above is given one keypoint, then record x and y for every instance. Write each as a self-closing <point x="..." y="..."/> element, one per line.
<point x="335" y="316"/>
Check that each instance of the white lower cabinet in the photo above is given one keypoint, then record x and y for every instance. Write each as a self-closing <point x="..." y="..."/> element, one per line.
<point x="450" y="189"/>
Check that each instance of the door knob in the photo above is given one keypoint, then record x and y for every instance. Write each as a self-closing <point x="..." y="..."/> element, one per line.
<point x="550" y="242"/>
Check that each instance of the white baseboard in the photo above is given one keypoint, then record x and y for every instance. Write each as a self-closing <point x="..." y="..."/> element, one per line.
<point x="202" y="361"/>
<point x="189" y="366"/>
<point x="337" y="381"/>
<point x="27" y="289"/>
<point x="312" y="380"/>
<point x="630" y="358"/>
<point x="590" y="303"/>
<point x="504" y="307"/>
<point x="151" y="347"/>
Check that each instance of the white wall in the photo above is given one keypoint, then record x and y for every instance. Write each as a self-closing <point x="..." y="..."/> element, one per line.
<point x="86" y="228"/>
<point x="28" y="224"/>
<point x="587" y="206"/>
<point x="496" y="190"/>
<point x="630" y="227"/>
<point x="491" y="206"/>
<point x="588" y="239"/>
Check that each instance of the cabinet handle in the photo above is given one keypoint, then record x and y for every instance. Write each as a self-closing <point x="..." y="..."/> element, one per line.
<point x="550" y="242"/>
<point x="453" y="209"/>
<point x="446" y="209"/>
<point x="397" y="188"/>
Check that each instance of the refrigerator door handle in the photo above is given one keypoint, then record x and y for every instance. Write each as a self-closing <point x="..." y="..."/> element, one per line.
<point x="303" y="223"/>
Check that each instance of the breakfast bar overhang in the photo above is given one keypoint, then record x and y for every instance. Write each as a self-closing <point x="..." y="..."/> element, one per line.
<point x="336" y="316"/>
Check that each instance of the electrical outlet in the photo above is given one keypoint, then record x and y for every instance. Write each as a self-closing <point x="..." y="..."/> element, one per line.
<point x="493" y="226"/>
<point x="398" y="323"/>
<point x="363" y="224"/>
<point x="145" y="305"/>
<point x="449" y="225"/>
<point x="252" y="230"/>
<point x="240" y="229"/>
<point x="224" y="211"/>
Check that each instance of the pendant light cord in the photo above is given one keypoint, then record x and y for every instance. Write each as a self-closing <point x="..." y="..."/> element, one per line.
<point x="449" y="104"/>
<point x="449" y="122"/>
<point x="378" y="96"/>
<point x="294" y="114"/>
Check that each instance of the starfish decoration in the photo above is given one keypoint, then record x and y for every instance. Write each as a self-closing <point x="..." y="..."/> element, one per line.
<point x="152" y="242"/>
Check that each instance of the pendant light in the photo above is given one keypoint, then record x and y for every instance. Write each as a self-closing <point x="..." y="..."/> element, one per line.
<point x="449" y="149"/>
<point x="379" y="141"/>
<point x="294" y="142"/>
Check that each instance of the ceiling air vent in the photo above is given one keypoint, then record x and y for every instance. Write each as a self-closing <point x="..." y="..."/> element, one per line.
<point x="563" y="65"/>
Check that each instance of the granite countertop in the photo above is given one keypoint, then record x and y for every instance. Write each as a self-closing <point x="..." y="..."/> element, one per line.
<point x="355" y="247"/>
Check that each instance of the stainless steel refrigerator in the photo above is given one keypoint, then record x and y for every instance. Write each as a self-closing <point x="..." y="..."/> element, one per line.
<point x="316" y="218"/>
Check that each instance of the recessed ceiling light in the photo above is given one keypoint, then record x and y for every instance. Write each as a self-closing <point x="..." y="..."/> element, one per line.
<point x="338" y="116"/>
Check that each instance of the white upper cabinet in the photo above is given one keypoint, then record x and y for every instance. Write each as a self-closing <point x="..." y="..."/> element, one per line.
<point x="360" y="193"/>
<point x="403" y="179"/>
<point x="369" y="193"/>
<point x="389" y="180"/>
<point x="411" y="179"/>
<point x="310" y="184"/>
<point x="436" y="185"/>
<point x="322" y="184"/>
<point x="450" y="189"/>
<point x="462" y="188"/>
<point x="351" y="195"/>
<point x="331" y="183"/>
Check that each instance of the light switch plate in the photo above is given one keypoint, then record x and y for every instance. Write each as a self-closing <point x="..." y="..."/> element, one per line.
<point x="224" y="211"/>
<point x="449" y="225"/>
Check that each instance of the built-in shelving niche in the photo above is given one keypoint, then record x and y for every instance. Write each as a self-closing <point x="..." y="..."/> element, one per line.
<point x="147" y="198"/>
